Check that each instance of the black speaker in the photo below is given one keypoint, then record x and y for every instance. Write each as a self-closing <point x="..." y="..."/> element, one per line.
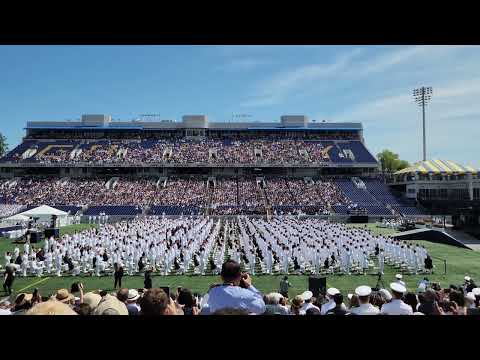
<point x="53" y="223"/>
<point x="317" y="285"/>
<point x="35" y="236"/>
<point x="55" y="232"/>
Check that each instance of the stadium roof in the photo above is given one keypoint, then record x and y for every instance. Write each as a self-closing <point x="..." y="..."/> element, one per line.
<point x="437" y="167"/>
<point x="199" y="123"/>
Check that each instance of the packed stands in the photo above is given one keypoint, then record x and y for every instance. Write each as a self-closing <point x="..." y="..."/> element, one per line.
<point x="226" y="197"/>
<point x="181" y="151"/>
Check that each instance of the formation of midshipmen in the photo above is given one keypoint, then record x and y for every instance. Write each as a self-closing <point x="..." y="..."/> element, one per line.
<point x="179" y="245"/>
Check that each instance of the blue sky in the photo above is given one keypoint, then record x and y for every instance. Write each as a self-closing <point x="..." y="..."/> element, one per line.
<point x="368" y="84"/>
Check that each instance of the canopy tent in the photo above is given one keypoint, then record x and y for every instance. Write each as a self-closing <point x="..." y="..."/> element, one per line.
<point x="436" y="166"/>
<point x="44" y="210"/>
<point x="16" y="218"/>
<point x="44" y="213"/>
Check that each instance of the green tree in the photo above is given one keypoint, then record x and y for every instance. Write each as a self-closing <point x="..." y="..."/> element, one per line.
<point x="3" y="145"/>
<point x="390" y="161"/>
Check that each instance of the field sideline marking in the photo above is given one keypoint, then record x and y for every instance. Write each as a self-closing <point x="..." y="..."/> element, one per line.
<point x="35" y="283"/>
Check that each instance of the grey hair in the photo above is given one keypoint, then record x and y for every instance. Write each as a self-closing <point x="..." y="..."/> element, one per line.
<point x="273" y="298"/>
<point x="110" y="311"/>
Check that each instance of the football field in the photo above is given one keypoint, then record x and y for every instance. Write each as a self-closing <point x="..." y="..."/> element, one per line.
<point x="460" y="262"/>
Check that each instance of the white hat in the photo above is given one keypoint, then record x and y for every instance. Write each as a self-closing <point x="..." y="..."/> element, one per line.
<point x="133" y="295"/>
<point x="92" y="299"/>
<point x="470" y="296"/>
<point x="386" y="294"/>
<point x="333" y="291"/>
<point x="467" y="278"/>
<point x="307" y="295"/>
<point x="476" y="291"/>
<point x="350" y="296"/>
<point x="399" y="288"/>
<point x="363" y="290"/>
<point x="399" y="276"/>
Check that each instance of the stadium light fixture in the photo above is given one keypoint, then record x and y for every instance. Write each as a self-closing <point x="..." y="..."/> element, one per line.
<point x="422" y="96"/>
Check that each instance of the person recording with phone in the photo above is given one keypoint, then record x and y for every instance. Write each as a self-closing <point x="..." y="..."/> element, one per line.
<point x="236" y="292"/>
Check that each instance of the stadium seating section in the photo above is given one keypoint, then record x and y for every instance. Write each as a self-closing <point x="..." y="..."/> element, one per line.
<point x="269" y="151"/>
<point x="131" y="197"/>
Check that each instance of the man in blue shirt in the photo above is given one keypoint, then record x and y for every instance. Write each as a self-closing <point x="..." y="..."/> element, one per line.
<point x="236" y="292"/>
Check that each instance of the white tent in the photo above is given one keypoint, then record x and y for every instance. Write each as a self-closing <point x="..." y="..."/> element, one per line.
<point x="44" y="213"/>
<point x="17" y="218"/>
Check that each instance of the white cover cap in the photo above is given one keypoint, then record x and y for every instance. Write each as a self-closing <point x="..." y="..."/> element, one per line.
<point x="397" y="287"/>
<point x="363" y="290"/>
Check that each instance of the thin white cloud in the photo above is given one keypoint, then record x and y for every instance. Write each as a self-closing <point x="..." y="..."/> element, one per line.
<point x="392" y="119"/>
<point x="279" y="86"/>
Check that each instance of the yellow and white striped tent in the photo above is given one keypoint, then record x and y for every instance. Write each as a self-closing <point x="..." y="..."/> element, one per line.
<point x="437" y="167"/>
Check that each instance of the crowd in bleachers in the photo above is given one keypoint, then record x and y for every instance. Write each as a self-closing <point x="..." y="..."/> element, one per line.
<point x="183" y="151"/>
<point x="322" y="196"/>
<point x="9" y="210"/>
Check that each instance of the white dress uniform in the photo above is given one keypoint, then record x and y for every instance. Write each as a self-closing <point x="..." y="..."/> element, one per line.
<point x="365" y="309"/>
<point x="396" y="307"/>
<point x="327" y="307"/>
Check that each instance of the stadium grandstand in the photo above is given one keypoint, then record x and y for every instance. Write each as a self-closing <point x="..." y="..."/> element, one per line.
<point x="216" y="199"/>
<point x="195" y="166"/>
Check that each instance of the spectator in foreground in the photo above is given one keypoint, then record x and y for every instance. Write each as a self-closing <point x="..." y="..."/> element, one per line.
<point x="353" y="301"/>
<point x="273" y="304"/>
<point x="83" y="309"/>
<point x="64" y="296"/>
<point x="297" y="303"/>
<point x="230" y="311"/>
<point x="397" y="306"/>
<point x="132" y="305"/>
<point x="469" y="284"/>
<point x="236" y="292"/>
<point x="412" y="300"/>
<point x="22" y="303"/>
<point x="331" y="292"/>
<point x="187" y="301"/>
<point x="427" y="305"/>
<point x="313" y="311"/>
<point x="339" y="308"/>
<point x="156" y="302"/>
<point x="51" y="307"/>
<point x="386" y="296"/>
<point x="92" y="300"/>
<point x="307" y="298"/>
<point x="110" y="305"/>
<point x="365" y="308"/>
<point x="122" y="295"/>
<point x="36" y="297"/>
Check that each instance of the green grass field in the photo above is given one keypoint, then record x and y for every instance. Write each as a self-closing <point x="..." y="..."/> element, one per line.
<point x="460" y="262"/>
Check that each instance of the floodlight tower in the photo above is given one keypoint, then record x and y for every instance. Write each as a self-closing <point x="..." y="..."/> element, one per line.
<point x="422" y="96"/>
